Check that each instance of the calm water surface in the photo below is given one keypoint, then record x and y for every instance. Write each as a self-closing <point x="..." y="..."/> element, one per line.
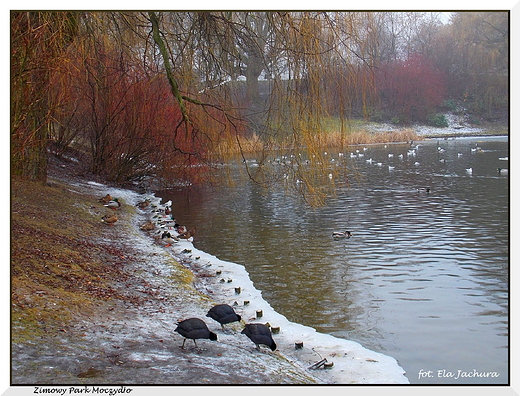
<point x="424" y="279"/>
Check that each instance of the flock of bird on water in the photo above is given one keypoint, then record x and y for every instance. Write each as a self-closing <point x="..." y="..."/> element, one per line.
<point x="413" y="151"/>
<point x="191" y="328"/>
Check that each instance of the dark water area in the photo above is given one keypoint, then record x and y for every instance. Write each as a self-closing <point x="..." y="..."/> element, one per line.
<point x="424" y="279"/>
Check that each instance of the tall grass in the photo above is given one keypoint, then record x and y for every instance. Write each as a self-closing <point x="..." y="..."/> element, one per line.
<point x="365" y="136"/>
<point x="332" y="139"/>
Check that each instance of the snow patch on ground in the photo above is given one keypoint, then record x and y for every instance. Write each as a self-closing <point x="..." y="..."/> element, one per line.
<point x="457" y="125"/>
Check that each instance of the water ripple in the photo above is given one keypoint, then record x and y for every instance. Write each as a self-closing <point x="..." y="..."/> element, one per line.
<point x="423" y="273"/>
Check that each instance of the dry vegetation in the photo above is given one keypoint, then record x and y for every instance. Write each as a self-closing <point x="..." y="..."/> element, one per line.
<point x="331" y="140"/>
<point x="364" y="136"/>
<point x="63" y="263"/>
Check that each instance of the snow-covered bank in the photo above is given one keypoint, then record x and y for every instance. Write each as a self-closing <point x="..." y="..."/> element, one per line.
<point x="338" y="361"/>
<point x="429" y="131"/>
<point x="457" y="126"/>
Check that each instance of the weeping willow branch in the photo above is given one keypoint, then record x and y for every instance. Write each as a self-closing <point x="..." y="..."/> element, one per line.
<point x="173" y="83"/>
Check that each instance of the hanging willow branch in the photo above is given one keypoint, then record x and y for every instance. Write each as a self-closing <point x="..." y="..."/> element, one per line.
<point x="169" y="74"/>
<point x="181" y="99"/>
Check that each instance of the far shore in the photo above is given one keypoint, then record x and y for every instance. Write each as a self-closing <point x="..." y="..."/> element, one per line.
<point x="358" y="132"/>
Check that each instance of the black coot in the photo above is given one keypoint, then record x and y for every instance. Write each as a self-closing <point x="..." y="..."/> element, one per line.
<point x="223" y="314"/>
<point x="259" y="334"/>
<point x="194" y="328"/>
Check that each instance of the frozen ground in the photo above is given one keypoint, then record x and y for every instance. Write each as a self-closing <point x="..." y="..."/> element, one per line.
<point x="134" y="344"/>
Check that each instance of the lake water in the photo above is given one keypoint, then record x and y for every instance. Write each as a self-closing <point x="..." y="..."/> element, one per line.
<point x="425" y="277"/>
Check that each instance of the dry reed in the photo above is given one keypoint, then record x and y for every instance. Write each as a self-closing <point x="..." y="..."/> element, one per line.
<point x="331" y="140"/>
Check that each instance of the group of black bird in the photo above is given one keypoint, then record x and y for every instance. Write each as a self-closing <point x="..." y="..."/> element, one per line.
<point x="195" y="328"/>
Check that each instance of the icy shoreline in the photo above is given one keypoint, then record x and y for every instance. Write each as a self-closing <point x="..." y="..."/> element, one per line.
<point x="224" y="282"/>
<point x="352" y="363"/>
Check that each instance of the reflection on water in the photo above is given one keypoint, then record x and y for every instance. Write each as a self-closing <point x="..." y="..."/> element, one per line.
<point x="424" y="278"/>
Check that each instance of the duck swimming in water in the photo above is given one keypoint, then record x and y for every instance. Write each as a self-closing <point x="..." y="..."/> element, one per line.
<point x="342" y="234"/>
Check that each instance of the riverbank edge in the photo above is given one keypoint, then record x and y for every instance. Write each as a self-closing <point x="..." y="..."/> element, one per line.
<point x="60" y="317"/>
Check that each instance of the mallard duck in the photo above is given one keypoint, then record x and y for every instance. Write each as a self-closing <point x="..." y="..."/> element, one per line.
<point x="167" y="223"/>
<point x="167" y="239"/>
<point x="109" y="219"/>
<point x="143" y="204"/>
<point x="187" y="234"/>
<point x="148" y="226"/>
<point x="342" y="234"/>
<point x="194" y="329"/>
<point x="477" y="149"/>
<point x="106" y="199"/>
<point x="502" y="171"/>
<point x="180" y="228"/>
<point x="260" y="334"/>
<point x="113" y="204"/>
